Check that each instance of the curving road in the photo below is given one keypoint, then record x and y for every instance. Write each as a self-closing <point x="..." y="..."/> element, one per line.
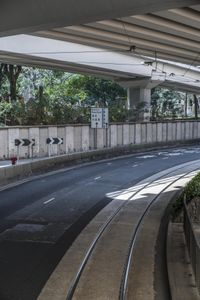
<point x="39" y="219"/>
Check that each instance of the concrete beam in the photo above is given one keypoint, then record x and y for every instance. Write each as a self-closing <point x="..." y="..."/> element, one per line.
<point x="24" y="16"/>
<point x="68" y="54"/>
<point x="127" y="70"/>
<point x="143" y="83"/>
<point x="139" y="91"/>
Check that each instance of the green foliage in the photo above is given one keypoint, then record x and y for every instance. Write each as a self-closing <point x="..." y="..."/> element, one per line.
<point x="6" y="110"/>
<point x="12" y="113"/>
<point x="191" y="191"/>
<point x="55" y="97"/>
<point x="11" y="74"/>
<point x="167" y="104"/>
<point x="32" y="96"/>
<point x="91" y="89"/>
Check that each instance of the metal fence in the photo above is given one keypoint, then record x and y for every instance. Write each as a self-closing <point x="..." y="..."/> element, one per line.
<point x="192" y="245"/>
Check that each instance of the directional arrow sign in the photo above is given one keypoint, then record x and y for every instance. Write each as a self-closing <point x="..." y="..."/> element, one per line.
<point x="54" y="141"/>
<point x="24" y="142"/>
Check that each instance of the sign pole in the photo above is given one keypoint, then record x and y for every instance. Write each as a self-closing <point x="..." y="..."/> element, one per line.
<point x="106" y="135"/>
<point x="49" y="150"/>
<point x="31" y="151"/>
<point x="17" y="153"/>
<point x="96" y="136"/>
<point x="59" y="149"/>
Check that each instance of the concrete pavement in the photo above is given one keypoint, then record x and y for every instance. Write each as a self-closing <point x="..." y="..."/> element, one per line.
<point x="7" y="163"/>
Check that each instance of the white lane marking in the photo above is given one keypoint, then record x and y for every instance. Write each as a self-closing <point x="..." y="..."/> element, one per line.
<point x="163" y="153"/>
<point x="50" y="200"/>
<point x="134" y="166"/>
<point x="175" y="154"/>
<point x="96" y="178"/>
<point x="146" y="156"/>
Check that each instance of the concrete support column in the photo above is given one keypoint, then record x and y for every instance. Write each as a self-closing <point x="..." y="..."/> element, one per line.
<point x="138" y="95"/>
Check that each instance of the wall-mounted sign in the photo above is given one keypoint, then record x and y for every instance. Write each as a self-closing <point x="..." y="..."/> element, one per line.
<point x="24" y="142"/>
<point x="99" y="117"/>
<point x="54" y="141"/>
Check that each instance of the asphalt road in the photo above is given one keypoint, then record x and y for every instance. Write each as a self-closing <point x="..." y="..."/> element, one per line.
<point x="40" y="219"/>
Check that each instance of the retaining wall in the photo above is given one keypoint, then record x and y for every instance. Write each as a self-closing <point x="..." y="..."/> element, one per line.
<point x="81" y="138"/>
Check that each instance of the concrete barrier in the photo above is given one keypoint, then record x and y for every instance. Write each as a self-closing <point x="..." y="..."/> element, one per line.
<point x="80" y="138"/>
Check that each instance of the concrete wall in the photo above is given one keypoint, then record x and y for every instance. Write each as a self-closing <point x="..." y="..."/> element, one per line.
<point x="80" y="138"/>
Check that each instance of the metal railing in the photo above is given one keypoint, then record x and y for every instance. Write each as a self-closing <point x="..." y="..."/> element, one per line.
<point x="192" y="245"/>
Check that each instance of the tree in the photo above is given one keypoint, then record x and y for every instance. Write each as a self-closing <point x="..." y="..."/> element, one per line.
<point x="196" y="106"/>
<point x="167" y="103"/>
<point x="2" y="75"/>
<point x="12" y="73"/>
<point x="91" y="89"/>
<point x="38" y="96"/>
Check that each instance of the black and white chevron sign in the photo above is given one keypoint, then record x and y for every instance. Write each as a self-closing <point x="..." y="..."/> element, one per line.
<point x="24" y="142"/>
<point x="54" y="141"/>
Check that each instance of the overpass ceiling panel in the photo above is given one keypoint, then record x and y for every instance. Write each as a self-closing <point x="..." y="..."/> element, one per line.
<point x="182" y="49"/>
<point x="64" y="36"/>
<point x="24" y="16"/>
<point x="164" y="25"/>
<point x="186" y="16"/>
<point x="196" y="7"/>
<point x="109" y="46"/>
<point x="135" y="31"/>
<point x="172" y="34"/>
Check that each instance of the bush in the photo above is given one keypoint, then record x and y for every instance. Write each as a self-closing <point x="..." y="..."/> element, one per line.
<point x="191" y="191"/>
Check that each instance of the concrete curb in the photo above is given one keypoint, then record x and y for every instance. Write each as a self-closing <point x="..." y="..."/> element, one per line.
<point x="180" y="274"/>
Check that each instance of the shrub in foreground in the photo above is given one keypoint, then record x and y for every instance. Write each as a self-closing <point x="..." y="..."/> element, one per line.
<point x="191" y="191"/>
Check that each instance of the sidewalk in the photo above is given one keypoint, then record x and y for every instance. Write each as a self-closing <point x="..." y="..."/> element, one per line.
<point x="181" y="276"/>
<point x="6" y="163"/>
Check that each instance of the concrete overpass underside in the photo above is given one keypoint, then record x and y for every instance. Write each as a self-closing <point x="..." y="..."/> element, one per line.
<point x="161" y="29"/>
<point x="140" y="43"/>
<point x="27" y="15"/>
<point x="167" y="34"/>
<point x="128" y="68"/>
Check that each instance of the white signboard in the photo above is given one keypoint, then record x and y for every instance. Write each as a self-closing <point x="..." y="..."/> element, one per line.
<point x="96" y="117"/>
<point x="99" y="117"/>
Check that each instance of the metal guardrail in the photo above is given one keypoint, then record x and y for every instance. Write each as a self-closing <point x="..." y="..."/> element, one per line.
<point x="192" y="245"/>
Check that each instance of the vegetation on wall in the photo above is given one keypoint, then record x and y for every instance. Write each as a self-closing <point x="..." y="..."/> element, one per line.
<point x="191" y="191"/>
